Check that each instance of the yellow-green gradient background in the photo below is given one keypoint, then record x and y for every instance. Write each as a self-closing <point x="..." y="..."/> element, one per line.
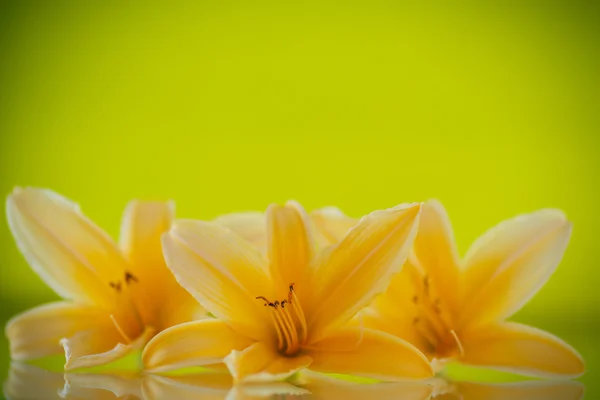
<point x="226" y="106"/>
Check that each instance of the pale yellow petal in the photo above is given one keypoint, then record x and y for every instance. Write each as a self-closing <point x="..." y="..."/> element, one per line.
<point x="290" y="248"/>
<point x="260" y="363"/>
<point x="72" y="255"/>
<point x="37" y="332"/>
<point x="195" y="343"/>
<point x="152" y="285"/>
<point x="369" y="353"/>
<point x="223" y="272"/>
<point x="536" y="390"/>
<point x="99" y="346"/>
<point x="325" y="387"/>
<point x="331" y="225"/>
<point x="510" y="263"/>
<point x="360" y="267"/>
<point x="26" y="382"/>
<point x="436" y="251"/>
<point x="521" y="349"/>
<point x="249" y="225"/>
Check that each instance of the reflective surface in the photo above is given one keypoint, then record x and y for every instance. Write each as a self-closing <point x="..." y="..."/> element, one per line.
<point x="27" y="382"/>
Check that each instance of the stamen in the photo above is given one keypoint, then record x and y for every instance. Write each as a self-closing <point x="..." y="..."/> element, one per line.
<point x="293" y="344"/>
<point x="300" y="314"/>
<point x="119" y="329"/>
<point x="459" y="344"/>
<point x="278" y="330"/>
<point x="284" y="329"/>
<point x="290" y="322"/>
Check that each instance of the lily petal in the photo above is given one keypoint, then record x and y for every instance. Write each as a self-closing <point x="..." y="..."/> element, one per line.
<point x="249" y="225"/>
<point x="369" y="353"/>
<point x="98" y="347"/>
<point x="37" y="332"/>
<point x="72" y="255"/>
<point x="161" y="301"/>
<point x="537" y="390"/>
<point x="361" y="266"/>
<point x="223" y="272"/>
<point x="522" y="349"/>
<point x="195" y="343"/>
<point x="510" y="263"/>
<point x="259" y="363"/>
<point x="290" y="247"/>
<point x="436" y="251"/>
<point x="331" y="225"/>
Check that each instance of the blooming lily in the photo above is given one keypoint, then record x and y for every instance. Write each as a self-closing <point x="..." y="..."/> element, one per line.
<point x="278" y="315"/>
<point x="455" y="309"/>
<point x="115" y="297"/>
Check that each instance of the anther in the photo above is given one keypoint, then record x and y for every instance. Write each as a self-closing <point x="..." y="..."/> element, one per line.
<point x="129" y="277"/>
<point x="116" y="286"/>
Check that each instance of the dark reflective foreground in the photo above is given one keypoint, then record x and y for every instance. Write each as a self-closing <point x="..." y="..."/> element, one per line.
<point x="32" y="383"/>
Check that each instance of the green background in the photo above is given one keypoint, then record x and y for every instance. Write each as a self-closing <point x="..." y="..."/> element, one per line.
<point x="226" y="106"/>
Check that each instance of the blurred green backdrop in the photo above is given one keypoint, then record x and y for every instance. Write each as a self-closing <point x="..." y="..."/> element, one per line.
<point x="224" y="106"/>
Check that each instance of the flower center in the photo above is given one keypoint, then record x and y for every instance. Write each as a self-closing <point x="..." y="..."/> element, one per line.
<point x="433" y="324"/>
<point x="289" y="321"/>
<point x="126" y="317"/>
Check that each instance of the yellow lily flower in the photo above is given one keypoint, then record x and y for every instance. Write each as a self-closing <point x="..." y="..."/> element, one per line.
<point x="278" y="316"/>
<point x="115" y="297"/>
<point x="455" y="309"/>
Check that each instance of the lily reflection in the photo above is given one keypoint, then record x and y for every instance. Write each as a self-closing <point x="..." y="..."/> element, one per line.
<point x="27" y="382"/>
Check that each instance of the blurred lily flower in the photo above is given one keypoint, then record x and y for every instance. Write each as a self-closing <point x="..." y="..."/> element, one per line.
<point x="115" y="297"/>
<point x="276" y="317"/>
<point x="455" y="309"/>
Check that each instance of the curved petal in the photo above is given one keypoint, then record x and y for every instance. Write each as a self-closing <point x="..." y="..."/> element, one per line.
<point x="331" y="225"/>
<point x="223" y="272"/>
<point x="360" y="267"/>
<point x="324" y="387"/>
<point x="521" y="349"/>
<point x="369" y="353"/>
<point x="195" y="343"/>
<point x="249" y="225"/>
<point x="260" y="363"/>
<point x="290" y="248"/>
<point x="98" y="347"/>
<point x="436" y="251"/>
<point x="153" y="287"/>
<point x="510" y="263"/>
<point x="536" y="390"/>
<point x="72" y="255"/>
<point x="37" y="332"/>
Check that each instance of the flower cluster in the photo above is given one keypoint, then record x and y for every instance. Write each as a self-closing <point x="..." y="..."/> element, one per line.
<point x="266" y="295"/>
